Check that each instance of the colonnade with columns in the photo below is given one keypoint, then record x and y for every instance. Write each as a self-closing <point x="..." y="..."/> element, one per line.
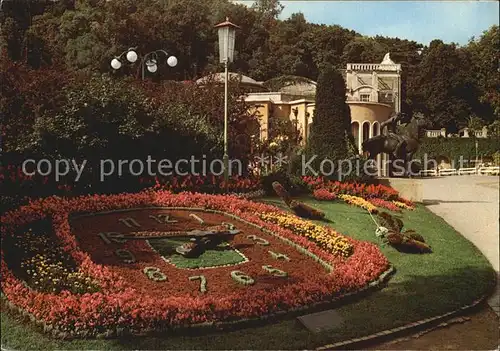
<point x="364" y="132"/>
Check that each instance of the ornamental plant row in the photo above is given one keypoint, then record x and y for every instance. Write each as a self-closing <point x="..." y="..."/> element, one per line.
<point x="328" y="188"/>
<point x="118" y="305"/>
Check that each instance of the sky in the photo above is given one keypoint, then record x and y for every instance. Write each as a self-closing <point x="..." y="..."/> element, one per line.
<point x="422" y="21"/>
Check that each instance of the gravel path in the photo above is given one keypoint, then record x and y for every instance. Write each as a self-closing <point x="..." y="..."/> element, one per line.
<point x="470" y="204"/>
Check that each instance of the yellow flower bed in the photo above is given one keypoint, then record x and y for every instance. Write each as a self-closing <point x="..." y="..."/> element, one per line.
<point x="324" y="237"/>
<point x="402" y="205"/>
<point x="51" y="275"/>
<point x="360" y="202"/>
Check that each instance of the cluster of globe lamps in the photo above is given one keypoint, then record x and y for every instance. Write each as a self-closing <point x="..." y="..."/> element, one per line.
<point x="226" y="32"/>
<point x="150" y="59"/>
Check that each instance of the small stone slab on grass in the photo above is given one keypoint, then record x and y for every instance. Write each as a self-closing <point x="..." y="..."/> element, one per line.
<point x="321" y="321"/>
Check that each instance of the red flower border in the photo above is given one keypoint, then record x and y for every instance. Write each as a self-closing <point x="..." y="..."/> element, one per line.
<point x="119" y="306"/>
<point x="322" y="187"/>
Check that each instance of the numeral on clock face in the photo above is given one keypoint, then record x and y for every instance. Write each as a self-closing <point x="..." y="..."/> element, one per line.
<point x="203" y="282"/>
<point x="242" y="278"/>
<point x="162" y="218"/>
<point x="258" y="240"/>
<point x="279" y="256"/>
<point x="125" y="255"/>
<point x="108" y="237"/>
<point x="155" y="274"/>
<point x="196" y="218"/>
<point x="129" y="222"/>
<point x="275" y="271"/>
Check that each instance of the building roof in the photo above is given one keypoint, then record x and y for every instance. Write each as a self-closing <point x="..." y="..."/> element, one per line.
<point x="219" y="77"/>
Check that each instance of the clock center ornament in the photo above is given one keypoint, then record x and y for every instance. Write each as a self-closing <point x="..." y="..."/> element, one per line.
<point x="161" y="261"/>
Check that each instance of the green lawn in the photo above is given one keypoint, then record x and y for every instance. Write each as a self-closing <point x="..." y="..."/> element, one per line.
<point x="220" y="256"/>
<point x="455" y="274"/>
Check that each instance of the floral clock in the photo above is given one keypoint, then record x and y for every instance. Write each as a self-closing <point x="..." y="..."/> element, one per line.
<point x="272" y="263"/>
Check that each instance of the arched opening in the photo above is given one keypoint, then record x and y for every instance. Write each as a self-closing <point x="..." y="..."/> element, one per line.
<point x="375" y="129"/>
<point x="378" y="160"/>
<point x="366" y="131"/>
<point x="355" y="133"/>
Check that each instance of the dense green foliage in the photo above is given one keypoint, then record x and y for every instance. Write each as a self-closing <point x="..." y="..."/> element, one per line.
<point x="332" y="120"/>
<point x="454" y="148"/>
<point x="446" y="82"/>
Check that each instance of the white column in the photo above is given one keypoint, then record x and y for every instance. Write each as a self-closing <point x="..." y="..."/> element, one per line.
<point x="375" y="86"/>
<point x="360" y="138"/>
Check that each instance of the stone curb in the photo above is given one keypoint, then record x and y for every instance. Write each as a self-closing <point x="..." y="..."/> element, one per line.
<point x="408" y="326"/>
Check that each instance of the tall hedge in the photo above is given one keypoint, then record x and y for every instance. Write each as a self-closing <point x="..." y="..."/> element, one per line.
<point x="332" y="119"/>
<point x="453" y="148"/>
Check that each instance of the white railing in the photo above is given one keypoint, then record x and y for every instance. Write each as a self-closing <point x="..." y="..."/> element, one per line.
<point x="462" y="171"/>
<point x="433" y="133"/>
<point x="428" y="172"/>
<point x="373" y="67"/>
<point x="447" y="171"/>
<point x="491" y="170"/>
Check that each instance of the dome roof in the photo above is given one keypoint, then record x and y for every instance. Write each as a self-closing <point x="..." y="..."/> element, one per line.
<point x="219" y="77"/>
<point x="295" y="85"/>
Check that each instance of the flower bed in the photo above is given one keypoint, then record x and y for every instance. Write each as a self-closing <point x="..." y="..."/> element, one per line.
<point x="325" y="237"/>
<point x="389" y="205"/>
<point x="324" y="194"/>
<point x="16" y="182"/>
<point x="124" y="303"/>
<point x="321" y="186"/>
<point x="360" y="202"/>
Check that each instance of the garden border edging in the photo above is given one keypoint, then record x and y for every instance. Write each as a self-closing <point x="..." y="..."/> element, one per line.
<point x="406" y="327"/>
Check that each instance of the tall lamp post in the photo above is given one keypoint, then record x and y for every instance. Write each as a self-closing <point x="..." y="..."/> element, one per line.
<point x="226" y="32"/>
<point x="149" y="61"/>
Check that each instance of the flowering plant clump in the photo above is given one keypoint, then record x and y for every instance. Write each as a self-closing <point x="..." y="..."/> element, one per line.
<point x="252" y="194"/>
<point x="305" y="211"/>
<point x="16" y="182"/>
<point x="206" y="184"/>
<point x="403" y="205"/>
<point x="385" y="204"/>
<point x="325" y="237"/>
<point x="324" y="194"/>
<point x="355" y="189"/>
<point x="360" y="202"/>
<point x="48" y="268"/>
<point x="120" y="302"/>
<point x="282" y="193"/>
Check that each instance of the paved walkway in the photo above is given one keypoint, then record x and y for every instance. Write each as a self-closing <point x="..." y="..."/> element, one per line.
<point x="470" y="205"/>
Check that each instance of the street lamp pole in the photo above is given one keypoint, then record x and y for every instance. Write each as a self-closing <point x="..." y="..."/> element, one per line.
<point x="226" y="31"/>
<point x="226" y="155"/>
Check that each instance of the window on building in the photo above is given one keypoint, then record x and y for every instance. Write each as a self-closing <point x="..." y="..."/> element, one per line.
<point x="364" y="97"/>
<point x="385" y="97"/>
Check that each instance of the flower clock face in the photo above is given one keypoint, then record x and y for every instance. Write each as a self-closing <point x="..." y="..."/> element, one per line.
<point x="142" y="246"/>
<point x="153" y="261"/>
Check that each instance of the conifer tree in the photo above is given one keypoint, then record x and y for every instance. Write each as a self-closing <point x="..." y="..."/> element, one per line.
<point x="330" y="130"/>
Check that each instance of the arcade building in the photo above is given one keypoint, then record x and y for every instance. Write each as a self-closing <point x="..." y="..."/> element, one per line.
<point x="373" y="92"/>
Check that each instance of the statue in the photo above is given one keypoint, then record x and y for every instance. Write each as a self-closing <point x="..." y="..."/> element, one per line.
<point x="387" y="60"/>
<point x="391" y="130"/>
<point x="402" y="145"/>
